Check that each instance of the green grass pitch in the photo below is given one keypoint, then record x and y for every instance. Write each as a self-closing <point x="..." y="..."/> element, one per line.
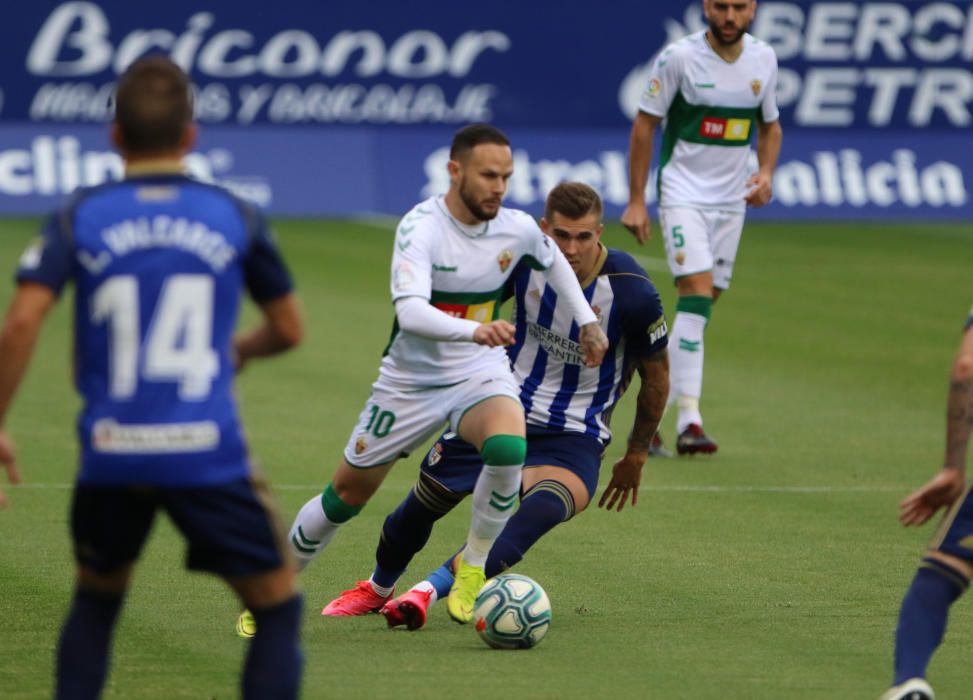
<point x="772" y="570"/>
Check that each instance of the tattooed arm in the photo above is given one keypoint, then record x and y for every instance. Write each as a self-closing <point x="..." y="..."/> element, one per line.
<point x="959" y="411"/>
<point x="949" y="484"/>
<point x="650" y="405"/>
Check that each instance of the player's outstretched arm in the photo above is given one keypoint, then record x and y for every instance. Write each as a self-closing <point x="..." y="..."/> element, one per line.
<point x="636" y="217"/>
<point x="562" y="279"/>
<point x="417" y="316"/>
<point x="282" y="328"/>
<point x="21" y="328"/>
<point x="943" y="489"/>
<point x="650" y="406"/>
<point x="760" y="186"/>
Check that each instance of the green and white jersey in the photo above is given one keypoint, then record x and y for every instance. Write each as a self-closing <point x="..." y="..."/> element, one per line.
<point x="710" y="109"/>
<point x="461" y="270"/>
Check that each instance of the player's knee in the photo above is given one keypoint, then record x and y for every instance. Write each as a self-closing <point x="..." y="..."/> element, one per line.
<point x="697" y="304"/>
<point x="114" y="583"/>
<point x="435" y="496"/>
<point x="504" y="450"/>
<point x="956" y="570"/>
<point x="340" y="505"/>
<point x="265" y="589"/>
<point x="551" y="500"/>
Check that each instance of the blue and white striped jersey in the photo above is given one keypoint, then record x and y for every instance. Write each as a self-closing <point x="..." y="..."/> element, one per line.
<point x="557" y="390"/>
<point x="158" y="263"/>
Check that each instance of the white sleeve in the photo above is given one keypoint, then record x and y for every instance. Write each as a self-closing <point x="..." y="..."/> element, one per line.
<point x="418" y="316"/>
<point x="411" y="263"/>
<point x="768" y="108"/>
<point x="561" y="277"/>
<point x="663" y="85"/>
<point x="541" y="248"/>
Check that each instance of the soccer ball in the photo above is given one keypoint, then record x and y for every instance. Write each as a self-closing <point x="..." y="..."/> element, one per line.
<point x="512" y="612"/>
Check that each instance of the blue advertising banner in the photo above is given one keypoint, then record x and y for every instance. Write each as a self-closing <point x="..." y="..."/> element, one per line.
<point x="343" y="108"/>
<point x="346" y="171"/>
<point x="558" y="63"/>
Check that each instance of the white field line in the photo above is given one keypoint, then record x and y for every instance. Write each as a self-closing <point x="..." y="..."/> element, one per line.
<point x="665" y="488"/>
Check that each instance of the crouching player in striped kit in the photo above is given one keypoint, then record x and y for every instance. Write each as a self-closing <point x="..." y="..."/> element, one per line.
<point x="567" y="405"/>
<point x="947" y="569"/>
<point x="445" y="362"/>
<point x="159" y="262"/>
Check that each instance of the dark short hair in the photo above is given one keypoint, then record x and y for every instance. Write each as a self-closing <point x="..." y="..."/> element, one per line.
<point x="473" y="135"/>
<point x="572" y="200"/>
<point x="153" y="105"/>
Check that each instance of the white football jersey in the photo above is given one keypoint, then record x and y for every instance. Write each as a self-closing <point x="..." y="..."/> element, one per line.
<point x="461" y="270"/>
<point x="710" y="109"/>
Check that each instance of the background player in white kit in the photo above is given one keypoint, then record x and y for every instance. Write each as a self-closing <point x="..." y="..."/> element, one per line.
<point x="445" y="361"/>
<point x="714" y="88"/>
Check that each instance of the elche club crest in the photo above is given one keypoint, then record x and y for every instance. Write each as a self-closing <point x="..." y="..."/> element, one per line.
<point x="755" y="85"/>
<point x="504" y="260"/>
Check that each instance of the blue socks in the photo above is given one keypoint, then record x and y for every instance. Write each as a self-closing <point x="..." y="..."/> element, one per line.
<point x="82" y="655"/>
<point x="272" y="669"/>
<point x="274" y="660"/>
<point x="405" y="532"/>
<point x="922" y="618"/>
<point x="442" y="580"/>
<point x="542" y="508"/>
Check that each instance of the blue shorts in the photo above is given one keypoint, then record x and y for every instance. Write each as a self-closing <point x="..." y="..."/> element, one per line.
<point x="955" y="534"/>
<point x="456" y="464"/>
<point x="231" y="529"/>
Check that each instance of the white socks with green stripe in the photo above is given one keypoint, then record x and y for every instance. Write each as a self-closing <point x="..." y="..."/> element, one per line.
<point x="316" y="523"/>
<point x="495" y="494"/>
<point x="310" y="533"/>
<point x="686" y="358"/>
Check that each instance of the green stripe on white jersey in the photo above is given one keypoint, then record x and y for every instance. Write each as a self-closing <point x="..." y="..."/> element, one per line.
<point x="461" y="270"/>
<point x="712" y="109"/>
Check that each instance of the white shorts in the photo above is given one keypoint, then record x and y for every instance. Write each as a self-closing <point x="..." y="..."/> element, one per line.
<point x="398" y="417"/>
<point x="698" y="240"/>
